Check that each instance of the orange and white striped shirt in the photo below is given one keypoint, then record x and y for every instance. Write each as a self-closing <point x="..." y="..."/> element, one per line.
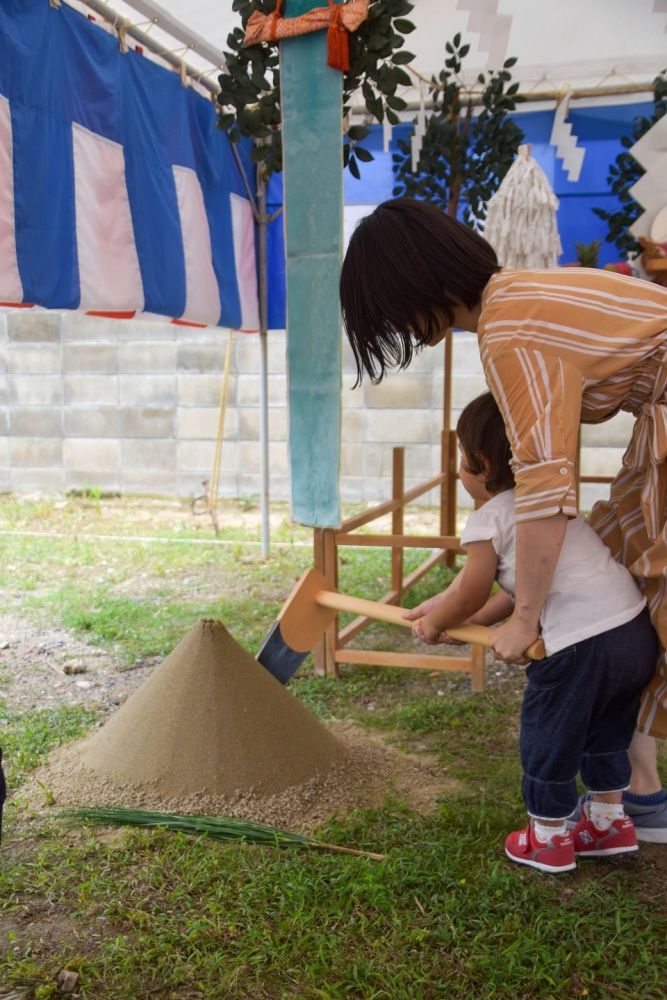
<point x="560" y="347"/>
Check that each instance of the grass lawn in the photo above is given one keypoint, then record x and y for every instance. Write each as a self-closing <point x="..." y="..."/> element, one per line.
<point x="141" y="914"/>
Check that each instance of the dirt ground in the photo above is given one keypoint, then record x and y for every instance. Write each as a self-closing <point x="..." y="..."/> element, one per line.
<point x="45" y="667"/>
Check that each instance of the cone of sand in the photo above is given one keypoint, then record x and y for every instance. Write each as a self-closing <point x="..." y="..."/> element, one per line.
<point x="210" y="718"/>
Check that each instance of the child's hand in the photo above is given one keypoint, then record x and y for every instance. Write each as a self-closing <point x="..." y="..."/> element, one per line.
<point x="426" y="632"/>
<point x="451" y="641"/>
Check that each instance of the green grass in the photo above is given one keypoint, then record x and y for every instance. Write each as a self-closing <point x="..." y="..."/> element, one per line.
<point x="28" y="737"/>
<point x="156" y="914"/>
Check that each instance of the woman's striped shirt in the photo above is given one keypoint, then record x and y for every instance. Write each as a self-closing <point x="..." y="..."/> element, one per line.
<point x="560" y="347"/>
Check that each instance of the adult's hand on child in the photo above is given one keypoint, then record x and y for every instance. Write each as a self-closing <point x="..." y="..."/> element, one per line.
<point x="511" y="640"/>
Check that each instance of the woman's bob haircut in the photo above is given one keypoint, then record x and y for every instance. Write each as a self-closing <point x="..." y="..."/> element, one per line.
<point x="407" y="266"/>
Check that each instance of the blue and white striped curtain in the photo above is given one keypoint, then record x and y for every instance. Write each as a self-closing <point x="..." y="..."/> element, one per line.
<point x="117" y="191"/>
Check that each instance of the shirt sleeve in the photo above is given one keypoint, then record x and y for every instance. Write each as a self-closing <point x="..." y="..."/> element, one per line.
<point x="539" y="396"/>
<point x="483" y="526"/>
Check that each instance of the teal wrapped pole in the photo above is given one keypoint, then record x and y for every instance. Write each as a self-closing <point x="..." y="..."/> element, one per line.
<point x="311" y="99"/>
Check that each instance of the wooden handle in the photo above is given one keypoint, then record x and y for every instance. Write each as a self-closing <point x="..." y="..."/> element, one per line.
<point x="394" y="615"/>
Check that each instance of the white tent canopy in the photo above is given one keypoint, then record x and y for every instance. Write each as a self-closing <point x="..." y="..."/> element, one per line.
<point x="578" y="44"/>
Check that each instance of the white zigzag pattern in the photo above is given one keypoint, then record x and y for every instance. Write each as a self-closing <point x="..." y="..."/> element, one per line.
<point x="567" y="149"/>
<point x="493" y="28"/>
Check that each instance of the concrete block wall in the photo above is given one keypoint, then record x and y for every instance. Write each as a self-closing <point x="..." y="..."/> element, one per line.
<point x="132" y="406"/>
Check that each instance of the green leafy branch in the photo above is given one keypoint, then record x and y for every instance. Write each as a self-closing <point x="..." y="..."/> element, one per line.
<point x="464" y="155"/>
<point x="249" y="98"/>
<point x="626" y="171"/>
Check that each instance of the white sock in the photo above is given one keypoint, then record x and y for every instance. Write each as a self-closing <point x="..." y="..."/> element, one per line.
<point x="603" y="814"/>
<point x="545" y="833"/>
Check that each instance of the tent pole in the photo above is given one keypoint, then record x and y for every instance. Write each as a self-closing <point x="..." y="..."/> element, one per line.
<point x="262" y="224"/>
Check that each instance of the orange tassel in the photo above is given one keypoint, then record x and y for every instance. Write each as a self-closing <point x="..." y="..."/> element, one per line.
<point x="274" y="18"/>
<point x="338" y="46"/>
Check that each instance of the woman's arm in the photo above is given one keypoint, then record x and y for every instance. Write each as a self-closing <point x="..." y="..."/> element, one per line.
<point x="539" y="394"/>
<point x="538" y="545"/>
<point x="459" y="603"/>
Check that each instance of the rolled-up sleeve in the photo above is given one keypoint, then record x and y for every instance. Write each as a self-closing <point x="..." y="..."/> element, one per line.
<point x="539" y="396"/>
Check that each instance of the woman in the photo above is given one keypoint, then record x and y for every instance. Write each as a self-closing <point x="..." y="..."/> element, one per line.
<point x="559" y="347"/>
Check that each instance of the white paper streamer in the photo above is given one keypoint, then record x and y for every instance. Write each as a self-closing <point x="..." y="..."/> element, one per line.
<point x="521" y="217"/>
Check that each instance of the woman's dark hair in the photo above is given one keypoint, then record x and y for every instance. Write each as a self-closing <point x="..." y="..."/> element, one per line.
<point x="407" y="266"/>
<point x="481" y="432"/>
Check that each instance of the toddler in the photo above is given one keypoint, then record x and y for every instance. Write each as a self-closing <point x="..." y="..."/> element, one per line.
<point x="580" y="705"/>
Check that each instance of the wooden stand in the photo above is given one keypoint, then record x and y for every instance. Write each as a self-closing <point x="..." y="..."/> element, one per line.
<point x="334" y="647"/>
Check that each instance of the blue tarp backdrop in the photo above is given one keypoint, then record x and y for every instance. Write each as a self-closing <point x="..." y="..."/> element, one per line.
<point x="598" y="129"/>
<point x="111" y="144"/>
<point x="64" y="84"/>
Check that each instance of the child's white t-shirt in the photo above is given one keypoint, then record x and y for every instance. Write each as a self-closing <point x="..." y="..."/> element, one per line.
<point x="590" y="592"/>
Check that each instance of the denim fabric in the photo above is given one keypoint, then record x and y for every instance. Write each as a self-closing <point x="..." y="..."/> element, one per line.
<point x="579" y="713"/>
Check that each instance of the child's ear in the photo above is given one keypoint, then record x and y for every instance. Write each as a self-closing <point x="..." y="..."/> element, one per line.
<point x="486" y="466"/>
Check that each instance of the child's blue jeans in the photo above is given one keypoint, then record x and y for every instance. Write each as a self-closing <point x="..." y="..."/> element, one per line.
<point x="579" y="714"/>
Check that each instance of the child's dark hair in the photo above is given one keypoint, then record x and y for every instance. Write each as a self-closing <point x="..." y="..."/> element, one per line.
<point x="407" y="266"/>
<point x="481" y="432"/>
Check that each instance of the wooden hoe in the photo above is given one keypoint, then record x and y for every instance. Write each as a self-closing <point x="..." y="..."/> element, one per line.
<point x="311" y="608"/>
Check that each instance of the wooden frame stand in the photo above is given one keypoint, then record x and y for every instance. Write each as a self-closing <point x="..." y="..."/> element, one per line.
<point x="334" y="647"/>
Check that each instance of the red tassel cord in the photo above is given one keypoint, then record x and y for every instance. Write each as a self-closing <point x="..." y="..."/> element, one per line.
<point x="338" y="46"/>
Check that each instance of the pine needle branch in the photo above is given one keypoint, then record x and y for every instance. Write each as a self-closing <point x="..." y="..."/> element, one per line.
<point x="216" y="827"/>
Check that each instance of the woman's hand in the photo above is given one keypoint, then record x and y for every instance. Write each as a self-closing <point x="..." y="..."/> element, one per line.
<point x="511" y="640"/>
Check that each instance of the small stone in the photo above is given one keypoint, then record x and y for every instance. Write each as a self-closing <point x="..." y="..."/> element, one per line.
<point x="83" y="684"/>
<point x="67" y="980"/>
<point x="75" y="668"/>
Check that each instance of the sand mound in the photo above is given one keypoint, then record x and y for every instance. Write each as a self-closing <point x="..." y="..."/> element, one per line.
<point x="370" y="772"/>
<point x="211" y="720"/>
<point x="212" y="732"/>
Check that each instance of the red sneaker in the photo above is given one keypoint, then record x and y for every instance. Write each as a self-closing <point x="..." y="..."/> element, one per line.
<point x="590" y="842"/>
<point x="557" y="855"/>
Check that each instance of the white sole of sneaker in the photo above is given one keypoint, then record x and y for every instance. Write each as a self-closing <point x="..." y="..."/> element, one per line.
<point x="608" y="852"/>
<point x="538" y="864"/>
<point x="649" y="836"/>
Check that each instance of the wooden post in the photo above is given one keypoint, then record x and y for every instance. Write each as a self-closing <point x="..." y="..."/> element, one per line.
<point x="448" y="452"/>
<point x="319" y="651"/>
<point x="478" y="668"/>
<point x="397" y="520"/>
<point x="331" y="577"/>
